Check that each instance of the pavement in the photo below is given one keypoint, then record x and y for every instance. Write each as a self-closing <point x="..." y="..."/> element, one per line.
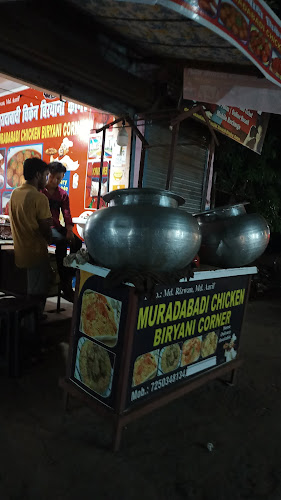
<point x="46" y="455"/>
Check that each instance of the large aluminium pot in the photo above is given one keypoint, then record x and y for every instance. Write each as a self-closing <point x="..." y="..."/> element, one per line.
<point x="231" y="237"/>
<point x="142" y="229"/>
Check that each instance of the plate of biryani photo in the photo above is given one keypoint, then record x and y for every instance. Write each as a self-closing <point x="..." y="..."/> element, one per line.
<point x="93" y="367"/>
<point x="209" y="344"/>
<point x="145" y="367"/>
<point x="169" y="358"/>
<point x="100" y="317"/>
<point x="191" y="351"/>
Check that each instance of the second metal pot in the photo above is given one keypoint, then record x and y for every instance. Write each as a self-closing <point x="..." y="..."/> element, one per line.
<point x="231" y="237"/>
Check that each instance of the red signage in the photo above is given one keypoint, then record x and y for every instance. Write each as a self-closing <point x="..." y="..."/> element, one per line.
<point x="245" y="126"/>
<point x="34" y="124"/>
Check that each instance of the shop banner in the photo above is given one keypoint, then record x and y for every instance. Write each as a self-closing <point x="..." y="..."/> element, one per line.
<point x="98" y="338"/>
<point x="249" y="25"/>
<point x="183" y="331"/>
<point x="245" y="126"/>
<point x="36" y="124"/>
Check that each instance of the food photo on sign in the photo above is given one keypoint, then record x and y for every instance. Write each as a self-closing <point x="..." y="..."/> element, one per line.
<point x="260" y="45"/>
<point x="100" y="317"/>
<point x="94" y="367"/>
<point x="276" y="63"/>
<point x="170" y="358"/>
<point x="98" y="338"/>
<point x="6" y="195"/>
<point x="191" y="351"/>
<point x="209" y="7"/>
<point x="233" y="20"/>
<point x="16" y="157"/>
<point x="145" y="367"/>
<point x="173" y="356"/>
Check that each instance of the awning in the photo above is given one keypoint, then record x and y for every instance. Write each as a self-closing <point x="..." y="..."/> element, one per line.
<point x="234" y="37"/>
<point x="236" y="32"/>
<point x="115" y="55"/>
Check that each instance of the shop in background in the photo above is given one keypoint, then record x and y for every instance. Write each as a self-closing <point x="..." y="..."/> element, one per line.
<point x="116" y="166"/>
<point x="37" y="124"/>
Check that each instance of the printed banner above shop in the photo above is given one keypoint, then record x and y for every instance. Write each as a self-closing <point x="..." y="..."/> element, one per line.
<point x="249" y="25"/>
<point x="245" y="126"/>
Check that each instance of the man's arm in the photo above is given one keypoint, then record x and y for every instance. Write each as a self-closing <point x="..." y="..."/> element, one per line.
<point x="65" y="208"/>
<point x="44" y="217"/>
<point x="45" y="229"/>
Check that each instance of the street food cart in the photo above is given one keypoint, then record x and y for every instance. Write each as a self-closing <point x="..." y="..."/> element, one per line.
<point x="131" y="353"/>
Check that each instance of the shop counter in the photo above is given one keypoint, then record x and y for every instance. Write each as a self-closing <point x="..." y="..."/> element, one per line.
<point x="14" y="279"/>
<point x="131" y="353"/>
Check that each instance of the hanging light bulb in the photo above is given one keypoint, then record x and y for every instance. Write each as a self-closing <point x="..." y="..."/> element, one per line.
<point x="122" y="137"/>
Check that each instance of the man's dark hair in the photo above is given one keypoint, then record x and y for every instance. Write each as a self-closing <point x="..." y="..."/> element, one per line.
<point x="56" y="167"/>
<point x="32" y="166"/>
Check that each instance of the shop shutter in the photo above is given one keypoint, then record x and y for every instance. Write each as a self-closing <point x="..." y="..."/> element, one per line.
<point x="190" y="164"/>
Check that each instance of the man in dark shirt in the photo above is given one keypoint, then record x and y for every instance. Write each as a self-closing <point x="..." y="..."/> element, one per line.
<point x="62" y="236"/>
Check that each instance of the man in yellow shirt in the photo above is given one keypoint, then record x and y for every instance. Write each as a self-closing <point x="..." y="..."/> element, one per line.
<point x="31" y="228"/>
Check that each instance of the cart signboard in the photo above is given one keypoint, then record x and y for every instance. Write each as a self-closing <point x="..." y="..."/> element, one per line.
<point x="185" y="330"/>
<point x="98" y="338"/>
<point x="143" y="346"/>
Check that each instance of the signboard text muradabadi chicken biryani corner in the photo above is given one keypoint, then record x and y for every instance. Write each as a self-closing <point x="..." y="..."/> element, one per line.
<point x="182" y="331"/>
<point x="249" y="25"/>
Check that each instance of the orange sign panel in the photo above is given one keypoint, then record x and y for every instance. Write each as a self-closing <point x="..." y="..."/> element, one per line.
<point x="35" y="124"/>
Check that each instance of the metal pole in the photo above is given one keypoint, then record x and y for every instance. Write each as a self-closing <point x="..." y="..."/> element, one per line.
<point x="108" y="125"/>
<point x="171" y="166"/>
<point x="142" y="159"/>
<point x="101" y="165"/>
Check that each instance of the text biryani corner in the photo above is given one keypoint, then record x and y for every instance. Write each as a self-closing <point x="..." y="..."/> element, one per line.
<point x="172" y="312"/>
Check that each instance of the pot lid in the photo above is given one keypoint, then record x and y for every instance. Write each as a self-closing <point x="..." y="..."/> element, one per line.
<point x="224" y="208"/>
<point x="143" y="191"/>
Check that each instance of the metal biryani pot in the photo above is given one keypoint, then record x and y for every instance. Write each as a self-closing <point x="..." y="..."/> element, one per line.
<point x="231" y="237"/>
<point x="142" y="229"/>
